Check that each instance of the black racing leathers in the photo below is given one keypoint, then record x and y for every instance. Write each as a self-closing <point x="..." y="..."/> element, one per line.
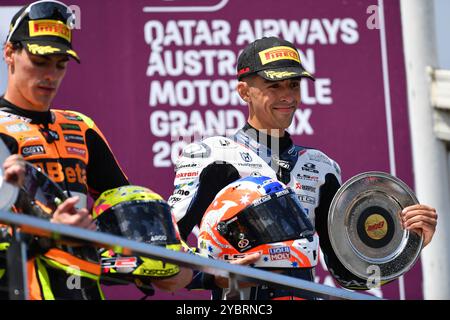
<point x="206" y="167"/>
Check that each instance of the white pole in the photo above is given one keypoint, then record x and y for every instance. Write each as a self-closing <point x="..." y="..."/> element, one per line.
<point x="429" y="153"/>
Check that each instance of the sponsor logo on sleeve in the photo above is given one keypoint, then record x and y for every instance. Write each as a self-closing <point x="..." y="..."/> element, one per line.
<point x="246" y="156"/>
<point x="73" y="138"/>
<point x="299" y="186"/>
<point x="186" y="165"/>
<point x="70" y="127"/>
<point x="310" y="167"/>
<point x="184" y="185"/>
<point x="307" y="199"/>
<point x="307" y="177"/>
<point x="73" y="117"/>
<point x="224" y="143"/>
<point x="174" y="199"/>
<point x="76" y="151"/>
<point x="18" y="127"/>
<point x="250" y="165"/>
<point x="338" y="170"/>
<point x="183" y="193"/>
<point x="319" y="158"/>
<point x="302" y="152"/>
<point x="187" y="175"/>
<point x="32" y="150"/>
<point x="5" y="119"/>
<point x="9" y="117"/>
<point x="32" y="138"/>
<point x="197" y="150"/>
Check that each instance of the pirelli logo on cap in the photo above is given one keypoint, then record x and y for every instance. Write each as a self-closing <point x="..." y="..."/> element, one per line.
<point x="54" y="28"/>
<point x="278" y="53"/>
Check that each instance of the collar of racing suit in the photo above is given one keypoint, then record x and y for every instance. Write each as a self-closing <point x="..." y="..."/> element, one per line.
<point x="284" y="142"/>
<point x="36" y="117"/>
<point x="279" y="153"/>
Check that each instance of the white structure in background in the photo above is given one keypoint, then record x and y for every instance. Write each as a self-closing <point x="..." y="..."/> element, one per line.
<point x="430" y="158"/>
<point x="440" y="100"/>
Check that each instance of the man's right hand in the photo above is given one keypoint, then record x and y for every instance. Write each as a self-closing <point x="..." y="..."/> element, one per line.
<point x="14" y="170"/>
<point x="67" y="213"/>
<point x="222" y="282"/>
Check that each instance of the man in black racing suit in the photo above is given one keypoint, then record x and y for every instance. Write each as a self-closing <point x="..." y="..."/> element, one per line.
<point x="269" y="73"/>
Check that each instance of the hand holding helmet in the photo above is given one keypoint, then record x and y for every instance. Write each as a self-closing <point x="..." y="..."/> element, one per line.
<point x="259" y="215"/>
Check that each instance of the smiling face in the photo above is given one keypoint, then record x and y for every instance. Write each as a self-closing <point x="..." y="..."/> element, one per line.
<point x="33" y="80"/>
<point x="272" y="104"/>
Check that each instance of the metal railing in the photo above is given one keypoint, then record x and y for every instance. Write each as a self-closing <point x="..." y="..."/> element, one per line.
<point x="234" y="272"/>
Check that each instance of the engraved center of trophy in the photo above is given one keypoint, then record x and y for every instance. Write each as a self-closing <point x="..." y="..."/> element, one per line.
<point x="376" y="226"/>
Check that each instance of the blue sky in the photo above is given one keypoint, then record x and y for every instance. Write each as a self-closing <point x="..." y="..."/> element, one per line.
<point x="442" y="8"/>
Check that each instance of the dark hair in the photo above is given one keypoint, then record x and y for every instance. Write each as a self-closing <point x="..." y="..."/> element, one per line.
<point x="17" y="45"/>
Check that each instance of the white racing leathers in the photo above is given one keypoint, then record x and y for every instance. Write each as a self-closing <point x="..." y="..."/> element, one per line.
<point x="204" y="168"/>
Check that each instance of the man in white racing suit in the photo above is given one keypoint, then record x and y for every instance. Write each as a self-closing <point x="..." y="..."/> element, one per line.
<point x="269" y="73"/>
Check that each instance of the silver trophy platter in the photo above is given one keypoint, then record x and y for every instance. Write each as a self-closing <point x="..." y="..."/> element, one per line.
<point x="365" y="227"/>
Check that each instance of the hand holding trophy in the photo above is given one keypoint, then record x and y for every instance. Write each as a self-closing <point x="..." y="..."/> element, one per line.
<point x="366" y="229"/>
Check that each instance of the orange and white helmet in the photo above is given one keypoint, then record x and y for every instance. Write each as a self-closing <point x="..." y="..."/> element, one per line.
<point x="259" y="214"/>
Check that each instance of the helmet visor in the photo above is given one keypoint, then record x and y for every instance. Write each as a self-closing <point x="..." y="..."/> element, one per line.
<point x="274" y="218"/>
<point x="143" y="221"/>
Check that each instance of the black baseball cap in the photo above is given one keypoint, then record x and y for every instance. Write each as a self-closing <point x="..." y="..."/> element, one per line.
<point x="273" y="59"/>
<point x="44" y="28"/>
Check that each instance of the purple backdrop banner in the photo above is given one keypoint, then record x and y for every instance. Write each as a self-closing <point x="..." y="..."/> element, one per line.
<point x="155" y="74"/>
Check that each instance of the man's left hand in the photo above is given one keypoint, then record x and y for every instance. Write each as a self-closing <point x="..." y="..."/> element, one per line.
<point x="421" y="219"/>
